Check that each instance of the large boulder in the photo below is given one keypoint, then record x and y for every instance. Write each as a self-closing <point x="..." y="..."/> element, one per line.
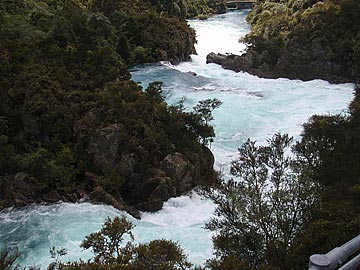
<point x="150" y="205"/>
<point x="180" y="170"/>
<point x="233" y="62"/>
<point x="21" y="190"/>
<point x="175" y="176"/>
<point x="155" y="189"/>
<point x="105" y="153"/>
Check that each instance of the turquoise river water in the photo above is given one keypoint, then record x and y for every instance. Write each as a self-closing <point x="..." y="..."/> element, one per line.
<point x="252" y="107"/>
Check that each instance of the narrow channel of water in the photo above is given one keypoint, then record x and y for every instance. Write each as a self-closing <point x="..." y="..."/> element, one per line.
<point x="252" y="107"/>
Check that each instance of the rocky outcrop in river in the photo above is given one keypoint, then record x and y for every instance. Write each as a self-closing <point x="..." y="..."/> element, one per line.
<point x="115" y="174"/>
<point x="292" y="64"/>
<point x="300" y="40"/>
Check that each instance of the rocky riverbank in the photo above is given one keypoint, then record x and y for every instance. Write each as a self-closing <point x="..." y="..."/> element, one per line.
<point x="251" y="62"/>
<point x="175" y="176"/>
<point x="74" y="126"/>
<point x="300" y="40"/>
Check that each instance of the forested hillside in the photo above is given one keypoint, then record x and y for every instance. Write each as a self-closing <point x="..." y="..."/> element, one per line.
<point x="72" y="123"/>
<point x="301" y="39"/>
<point x="74" y="126"/>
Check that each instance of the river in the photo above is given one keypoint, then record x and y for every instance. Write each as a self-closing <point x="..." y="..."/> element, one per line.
<point x="252" y="107"/>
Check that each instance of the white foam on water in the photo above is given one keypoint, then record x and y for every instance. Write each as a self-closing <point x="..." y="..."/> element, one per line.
<point x="182" y="220"/>
<point x="34" y="229"/>
<point x="252" y="108"/>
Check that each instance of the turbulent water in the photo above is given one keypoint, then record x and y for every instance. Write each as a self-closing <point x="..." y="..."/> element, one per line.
<point x="252" y="107"/>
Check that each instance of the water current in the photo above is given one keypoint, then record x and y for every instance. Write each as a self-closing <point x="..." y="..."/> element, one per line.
<point x="252" y="108"/>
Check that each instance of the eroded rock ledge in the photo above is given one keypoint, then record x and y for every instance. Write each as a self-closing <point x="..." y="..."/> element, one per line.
<point x="287" y="66"/>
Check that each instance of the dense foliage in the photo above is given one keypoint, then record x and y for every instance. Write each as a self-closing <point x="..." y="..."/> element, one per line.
<point x="68" y="105"/>
<point x="259" y="215"/>
<point x="283" y="209"/>
<point x="330" y="151"/>
<point x="65" y="86"/>
<point x="306" y="39"/>
<point x="112" y="253"/>
<point x="192" y="8"/>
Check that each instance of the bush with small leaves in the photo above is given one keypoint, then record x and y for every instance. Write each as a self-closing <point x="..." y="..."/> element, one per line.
<point x="111" y="253"/>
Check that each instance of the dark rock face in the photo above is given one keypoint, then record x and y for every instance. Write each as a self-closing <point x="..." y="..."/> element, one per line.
<point x="146" y="191"/>
<point x="21" y="190"/>
<point x="180" y="170"/>
<point x="293" y="63"/>
<point x="185" y="47"/>
<point x="150" y="206"/>
<point x="156" y="188"/>
<point x="103" y="147"/>
<point x="100" y="195"/>
<point x="231" y="61"/>
<point x="175" y="176"/>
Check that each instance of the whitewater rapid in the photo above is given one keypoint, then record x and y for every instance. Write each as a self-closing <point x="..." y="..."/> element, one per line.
<point x="252" y="108"/>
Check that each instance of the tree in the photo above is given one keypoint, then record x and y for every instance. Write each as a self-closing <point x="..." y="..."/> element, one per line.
<point x="155" y="90"/>
<point x="8" y="261"/>
<point x="106" y="242"/>
<point x="329" y="151"/>
<point x="111" y="253"/>
<point x="122" y="47"/>
<point x="258" y="216"/>
<point x="160" y="255"/>
<point x="56" y="254"/>
<point x="205" y="108"/>
<point x="203" y="115"/>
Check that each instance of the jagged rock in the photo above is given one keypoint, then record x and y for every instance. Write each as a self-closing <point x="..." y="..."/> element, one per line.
<point x="22" y="182"/>
<point x="185" y="48"/>
<point x="82" y="194"/>
<point x="231" y="61"/>
<point x="160" y="188"/>
<point x="125" y="167"/>
<point x="23" y="189"/>
<point x="52" y="196"/>
<point x="148" y="186"/>
<point x="150" y="206"/>
<point x="20" y="200"/>
<point x="192" y="73"/>
<point x="178" y="168"/>
<point x="104" y="152"/>
<point x="154" y="190"/>
<point x="305" y="62"/>
<point x="216" y="58"/>
<point x="100" y="195"/>
<point x="163" y="192"/>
